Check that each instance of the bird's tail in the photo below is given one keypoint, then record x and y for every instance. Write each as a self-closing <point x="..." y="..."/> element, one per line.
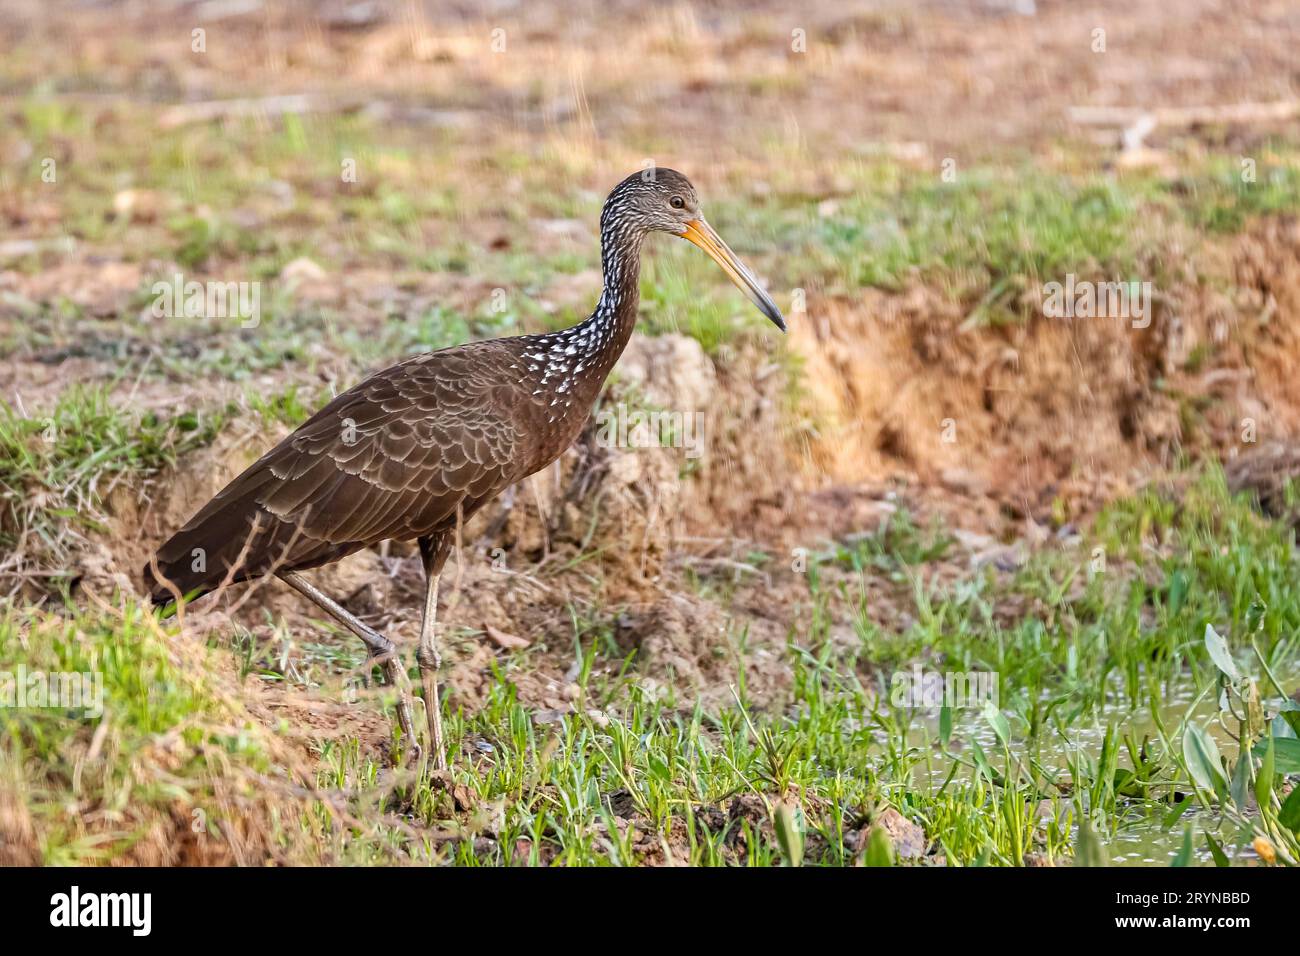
<point x="193" y="562"/>
<point x="229" y="540"/>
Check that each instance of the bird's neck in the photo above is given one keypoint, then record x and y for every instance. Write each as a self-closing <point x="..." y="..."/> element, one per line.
<point x="590" y="349"/>
<point x="615" y="314"/>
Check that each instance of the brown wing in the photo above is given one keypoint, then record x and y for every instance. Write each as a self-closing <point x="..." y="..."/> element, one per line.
<point x="393" y="457"/>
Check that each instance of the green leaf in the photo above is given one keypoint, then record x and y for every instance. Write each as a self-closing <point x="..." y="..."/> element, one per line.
<point x="788" y="835"/>
<point x="1201" y="754"/>
<point x="1292" y="722"/>
<point x="1216" y="851"/>
<point x="945" y="724"/>
<point x="880" y="850"/>
<point x="1220" y="654"/>
<point x="1088" y="849"/>
<point x="998" y="722"/>
<point x="1184" y="857"/>
<point x="1176" y="813"/>
<point x="982" y="762"/>
<point x="1290" y="815"/>
<point x="1283" y="725"/>
<point x="1287" y="754"/>
<point x="1255" y="615"/>
<point x="1177" y="592"/>
<point x="1240" y="780"/>
<point x="1264" y="780"/>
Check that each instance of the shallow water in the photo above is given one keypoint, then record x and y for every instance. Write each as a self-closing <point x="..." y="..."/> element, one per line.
<point x="1140" y="837"/>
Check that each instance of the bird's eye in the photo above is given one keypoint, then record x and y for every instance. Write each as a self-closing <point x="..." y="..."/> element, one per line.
<point x="677" y="202"/>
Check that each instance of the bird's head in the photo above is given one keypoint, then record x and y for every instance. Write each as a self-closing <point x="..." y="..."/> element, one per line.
<point x="663" y="200"/>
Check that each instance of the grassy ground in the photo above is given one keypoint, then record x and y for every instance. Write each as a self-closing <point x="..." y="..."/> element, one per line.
<point x="1104" y="678"/>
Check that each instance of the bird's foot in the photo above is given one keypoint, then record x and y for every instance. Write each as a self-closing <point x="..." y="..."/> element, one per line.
<point x="433" y="716"/>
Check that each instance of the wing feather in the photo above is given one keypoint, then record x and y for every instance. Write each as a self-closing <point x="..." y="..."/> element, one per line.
<point x="394" y="457"/>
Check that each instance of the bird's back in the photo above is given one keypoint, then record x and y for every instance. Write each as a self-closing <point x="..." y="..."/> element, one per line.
<point x="398" y="456"/>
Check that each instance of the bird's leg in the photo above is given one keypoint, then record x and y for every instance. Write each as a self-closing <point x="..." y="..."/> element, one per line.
<point x="381" y="647"/>
<point x="433" y="551"/>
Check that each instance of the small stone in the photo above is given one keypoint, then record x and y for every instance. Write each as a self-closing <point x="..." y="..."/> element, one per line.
<point x="507" y="642"/>
<point x="137" y="205"/>
<point x="908" y="838"/>
<point x="302" y="269"/>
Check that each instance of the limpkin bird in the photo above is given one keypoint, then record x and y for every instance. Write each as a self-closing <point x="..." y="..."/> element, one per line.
<point x="417" y="448"/>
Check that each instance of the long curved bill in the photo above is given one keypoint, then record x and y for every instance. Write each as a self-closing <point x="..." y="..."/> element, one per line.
<point x="700" y="233"/>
